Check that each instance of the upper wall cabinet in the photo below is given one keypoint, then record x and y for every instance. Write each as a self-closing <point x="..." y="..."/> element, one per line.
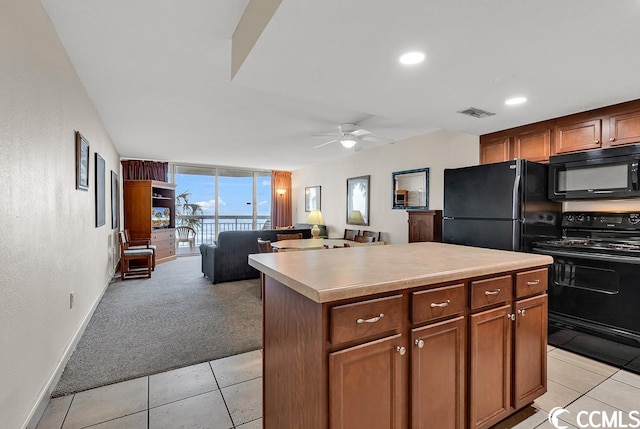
<point x="578" y="136"/>
<point x="533" y="145"/>
<point x="532" y="142"/>
<point x="494" y="150"/>
<point x="624" y="128"/>
<point x="611" y="126"/>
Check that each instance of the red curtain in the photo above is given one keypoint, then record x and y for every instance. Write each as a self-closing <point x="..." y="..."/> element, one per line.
<point x="281" y="201"/>
<point x="136" y="169"/>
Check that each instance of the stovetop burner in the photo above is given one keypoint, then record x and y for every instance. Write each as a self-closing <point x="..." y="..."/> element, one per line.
<point x="599" y="244"/>
<point x="612" y="234"/>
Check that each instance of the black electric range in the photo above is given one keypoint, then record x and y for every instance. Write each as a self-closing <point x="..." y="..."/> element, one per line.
<point x="594" y="286"/>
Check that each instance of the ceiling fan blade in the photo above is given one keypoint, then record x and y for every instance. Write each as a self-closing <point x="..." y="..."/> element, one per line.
<point x="326" y="143"/>
<point x="376" y="139"/>
<point x="361" y="132"/>
<point x="326" y="135"/>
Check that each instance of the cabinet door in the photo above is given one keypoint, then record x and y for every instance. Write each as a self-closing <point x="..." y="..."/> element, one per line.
<point x="368" y="385"/>
<point x="578" y="136"/>
<point x="624" y="129"/>
<point x="490" y="367"/>
<point x="438" y="375"/>
<point x="494" y="150"/>
<point x="533" y="146"/>
<point x="420" y="227"/>
<point x="530" y="358"/>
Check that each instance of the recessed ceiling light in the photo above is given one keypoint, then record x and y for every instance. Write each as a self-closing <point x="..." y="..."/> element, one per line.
<point x="411" y="58"/>
<point x="515" y="100"/>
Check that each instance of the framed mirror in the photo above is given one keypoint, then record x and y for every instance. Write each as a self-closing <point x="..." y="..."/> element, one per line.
<point x="358" y="200"/>
<point x="410" y="189"/>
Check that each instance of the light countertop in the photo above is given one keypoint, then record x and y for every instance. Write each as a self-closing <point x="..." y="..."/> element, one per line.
<point x="332" y="274"/>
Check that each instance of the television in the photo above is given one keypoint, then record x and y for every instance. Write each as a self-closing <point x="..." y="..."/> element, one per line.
<point x="160" y="217"/>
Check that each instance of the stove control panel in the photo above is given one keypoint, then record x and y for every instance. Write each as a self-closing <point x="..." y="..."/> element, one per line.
<point x="601" y="220"/>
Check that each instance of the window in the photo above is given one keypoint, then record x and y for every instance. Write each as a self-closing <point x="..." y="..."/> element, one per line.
<point x="215" y="199"/>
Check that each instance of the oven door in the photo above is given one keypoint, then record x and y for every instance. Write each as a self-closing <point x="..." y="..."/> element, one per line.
<point x="601" y="290"/>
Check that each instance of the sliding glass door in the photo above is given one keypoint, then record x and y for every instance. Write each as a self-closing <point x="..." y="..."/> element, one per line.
<point x="214" y="199"/>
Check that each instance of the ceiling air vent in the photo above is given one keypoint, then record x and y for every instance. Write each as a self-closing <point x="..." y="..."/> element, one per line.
<point x="476" y="113"/>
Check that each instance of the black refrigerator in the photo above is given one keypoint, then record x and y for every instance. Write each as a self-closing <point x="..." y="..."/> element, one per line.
<point x="499" y="206"/>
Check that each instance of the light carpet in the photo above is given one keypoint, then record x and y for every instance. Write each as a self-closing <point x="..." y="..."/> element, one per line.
<point x="175" y="319"/>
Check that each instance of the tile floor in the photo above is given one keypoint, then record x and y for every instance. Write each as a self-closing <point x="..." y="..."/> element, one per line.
<point x="221" y="394"/>
<point x="226" y="393"/>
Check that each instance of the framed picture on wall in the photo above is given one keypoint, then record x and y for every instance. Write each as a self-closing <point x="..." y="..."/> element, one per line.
<point x="358" y="200"/>
<point x="115" y="204"/>
<point x="100" y="193"/>
<point x="82" y="162"/>
<point x="311" y="198"/>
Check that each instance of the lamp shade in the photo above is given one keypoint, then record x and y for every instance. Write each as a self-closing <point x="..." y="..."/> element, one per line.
<point x="356" y="218"/>
<point x="315" y="218"/>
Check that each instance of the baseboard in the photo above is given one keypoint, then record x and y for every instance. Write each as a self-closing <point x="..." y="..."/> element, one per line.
<point x="45" y="395"/>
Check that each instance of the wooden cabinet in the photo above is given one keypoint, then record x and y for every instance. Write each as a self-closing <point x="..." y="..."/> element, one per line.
<point x="490" y="367"/>
<point x="494" y="149"/>
<point x="530" y="350"/>
<point x="624" y="128"/>
<point x="578" y="136"/>
<point x="607" y="127"/>
<point x="367" y="387"/>
<point x="531" y="142"/>
<point x="533" y="145"/>
<point x="610" y="126"/>
<point x="425" y="225"/>
<point x="165" y="242"/>
<point x="504" y="378"/>
<point x="438" y="375"/>
<point x="149" y="213"/>
<point x="463" y="354"/>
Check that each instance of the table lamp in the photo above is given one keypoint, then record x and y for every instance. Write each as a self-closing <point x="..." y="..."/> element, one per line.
<point x="356" y="218"/>
<point x="315" y="218"/>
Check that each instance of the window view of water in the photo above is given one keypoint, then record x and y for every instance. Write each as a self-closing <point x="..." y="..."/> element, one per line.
<point x="212" y="200"/>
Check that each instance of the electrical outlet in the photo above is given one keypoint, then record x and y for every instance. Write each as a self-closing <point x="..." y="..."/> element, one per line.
<point x="71" y="299"/>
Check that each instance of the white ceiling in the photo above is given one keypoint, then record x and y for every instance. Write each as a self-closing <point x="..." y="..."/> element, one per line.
<point x="159" y="71"/>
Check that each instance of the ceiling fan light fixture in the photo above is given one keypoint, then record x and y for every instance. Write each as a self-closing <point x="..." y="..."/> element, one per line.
<point x="411" y="58"/>
<point x="348" y="142"/>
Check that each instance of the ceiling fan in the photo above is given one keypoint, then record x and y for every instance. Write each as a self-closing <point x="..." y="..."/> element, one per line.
<point x="351" y="134"/>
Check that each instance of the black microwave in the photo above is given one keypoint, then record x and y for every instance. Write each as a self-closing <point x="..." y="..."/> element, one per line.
<point x="595" y="174"/>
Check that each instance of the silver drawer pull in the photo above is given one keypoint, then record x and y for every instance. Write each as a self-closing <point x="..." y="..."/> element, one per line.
<point x="491" y="292"/>
<point x="442" y="304"/>
<point x="372" y="320"/>
<point x="533" y="283"/>
<point x="401" y="350"/>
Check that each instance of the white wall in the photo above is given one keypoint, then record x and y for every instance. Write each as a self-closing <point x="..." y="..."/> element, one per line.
<point x="50" y="245"/>
<point x="437" y="151"/>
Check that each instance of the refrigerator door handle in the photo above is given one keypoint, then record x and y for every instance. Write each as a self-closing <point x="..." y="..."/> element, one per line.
<point x="515" y="215"/>
<point x="516" y="191"/>
<point x="515" y="235"/>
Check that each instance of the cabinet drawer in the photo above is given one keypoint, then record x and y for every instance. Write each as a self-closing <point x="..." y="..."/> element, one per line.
<point x="440" y="302"/>
<point x="491" y="291"/>
<point x="363" y="319"/>
<point x="162" y="253"/>
<point x="162" y="234"/>
<point x="531" y="282"/>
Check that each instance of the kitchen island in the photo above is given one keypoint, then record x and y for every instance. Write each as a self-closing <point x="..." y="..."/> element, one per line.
<point x="413" y="335"/>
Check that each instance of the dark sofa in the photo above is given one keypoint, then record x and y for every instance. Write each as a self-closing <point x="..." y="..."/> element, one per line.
<point x="227" y="260"/>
